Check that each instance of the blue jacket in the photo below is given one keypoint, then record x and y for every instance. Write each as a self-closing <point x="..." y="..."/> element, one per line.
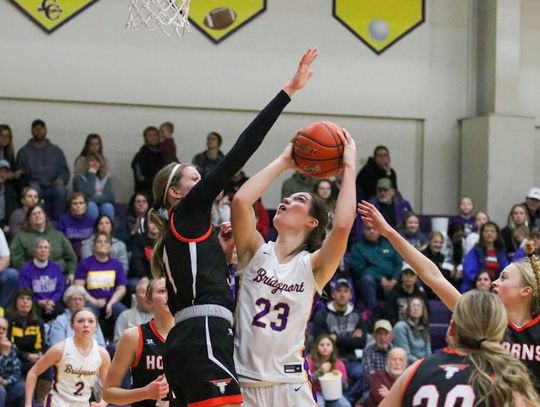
<point x="474" y="262"/>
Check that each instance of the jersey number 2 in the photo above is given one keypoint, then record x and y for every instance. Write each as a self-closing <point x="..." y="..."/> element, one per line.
<point x="80" y="387"/>
<point x="281" y="308"/>
<point x="429" y="392"/>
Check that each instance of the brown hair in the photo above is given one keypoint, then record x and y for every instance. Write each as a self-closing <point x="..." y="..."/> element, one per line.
<point x="316" y="236"/>
<point x="27" y="227"/>
<point x="480" y="319"/>
<point x="159" y="191"/>
<point x="316" y="358"/>
<point x="72" y="319"/>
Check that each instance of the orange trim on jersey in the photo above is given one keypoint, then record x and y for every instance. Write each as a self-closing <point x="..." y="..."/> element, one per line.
<point x="218" y="401"/>
<point x="139" y="347"/>
<point x="409" y="379"/>
<point x="450" y="351"/>
<point x="529" y="324"/>
<point x="185" y="239"/>
<point x="156" y="332"/>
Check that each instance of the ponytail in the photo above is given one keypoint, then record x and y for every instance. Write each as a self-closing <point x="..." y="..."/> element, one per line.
<point x="156" y="262"/>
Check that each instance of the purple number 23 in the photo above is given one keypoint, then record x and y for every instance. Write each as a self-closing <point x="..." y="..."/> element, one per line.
<point x="281" y="308"/>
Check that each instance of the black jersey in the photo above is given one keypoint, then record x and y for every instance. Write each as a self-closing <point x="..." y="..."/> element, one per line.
<point x="196" y="268"/>
<point x="524" y="344"/>
<point x="149" y="359"/>
<point x="440" y="380"/>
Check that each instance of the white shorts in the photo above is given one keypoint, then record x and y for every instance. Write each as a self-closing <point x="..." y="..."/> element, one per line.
<point x="54" y="400"/>
<point x="279" y="395"/>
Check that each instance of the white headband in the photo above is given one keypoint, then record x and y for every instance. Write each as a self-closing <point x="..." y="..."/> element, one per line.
<point x="171" y="176"/>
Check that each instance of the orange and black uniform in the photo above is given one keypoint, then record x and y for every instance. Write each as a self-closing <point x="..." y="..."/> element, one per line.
<point x="199" y="352"/>
<point x="441" y="380"/>
<point x="148" y="361"/>
<point x="524" y="344"/>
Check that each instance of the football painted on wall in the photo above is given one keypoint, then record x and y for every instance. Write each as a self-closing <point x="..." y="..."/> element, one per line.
<point x="218" y="19"/>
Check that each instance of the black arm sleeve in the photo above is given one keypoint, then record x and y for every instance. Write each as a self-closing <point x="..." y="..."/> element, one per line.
<point x="190" y="216"/>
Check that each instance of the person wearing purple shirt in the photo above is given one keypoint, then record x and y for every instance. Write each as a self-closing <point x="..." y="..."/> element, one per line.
<point x="76" y="224"/>
<point x="105" y="281"/>
<point x="45" y="279"/>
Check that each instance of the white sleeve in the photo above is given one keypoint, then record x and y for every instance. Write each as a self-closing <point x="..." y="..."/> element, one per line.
<point x="4" y="248"/>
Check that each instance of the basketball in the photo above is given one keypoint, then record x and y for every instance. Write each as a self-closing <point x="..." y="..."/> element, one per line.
<point x="318" y="149"/>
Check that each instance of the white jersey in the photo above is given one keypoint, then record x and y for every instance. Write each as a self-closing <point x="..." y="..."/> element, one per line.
<point x="75" y="373"/>
<point x="274" y="305"/>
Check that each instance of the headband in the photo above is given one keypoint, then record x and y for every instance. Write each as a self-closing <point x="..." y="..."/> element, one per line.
<point x="171" y="176"/>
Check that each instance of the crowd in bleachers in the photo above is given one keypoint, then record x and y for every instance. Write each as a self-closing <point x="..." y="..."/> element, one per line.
<point x="61" y="250"/>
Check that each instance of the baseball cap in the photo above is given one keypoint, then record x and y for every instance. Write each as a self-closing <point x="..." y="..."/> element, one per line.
<point x="38" y="122"/>
<point x="407" y="268"/>
<point x="534" y="193"/>
<point x="4" y="164"/>
<point x="384" y="183"/>
<point x="382" y="324"/>
<point x="342" y="282"/>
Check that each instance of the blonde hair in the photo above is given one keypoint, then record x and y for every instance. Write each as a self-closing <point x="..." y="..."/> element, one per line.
<point x="480" y="319"/>
<point x="529" y="269"/>
<point x="168" y="176"/>
<point x="150" y="288"/>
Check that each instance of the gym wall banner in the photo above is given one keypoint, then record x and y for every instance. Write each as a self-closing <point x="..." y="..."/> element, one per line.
<point x="50" y="15"/>
<point x="218" y="19"/>
<point x="380" y="24"/>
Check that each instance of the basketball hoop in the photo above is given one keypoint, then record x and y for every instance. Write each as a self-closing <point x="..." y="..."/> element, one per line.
<point x="171" y="16"/>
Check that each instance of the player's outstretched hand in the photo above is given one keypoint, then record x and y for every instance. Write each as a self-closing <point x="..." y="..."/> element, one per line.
<point x="158" y="389"/>
<point x="349" y="150"/>
<point x="303" y="73"/>
<point x="372" y="215"/>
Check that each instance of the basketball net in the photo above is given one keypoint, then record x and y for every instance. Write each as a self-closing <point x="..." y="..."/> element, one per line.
<point x="171" y="16"/>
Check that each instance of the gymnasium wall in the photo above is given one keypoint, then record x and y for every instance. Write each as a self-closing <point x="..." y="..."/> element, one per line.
<point x="93" y="76"/>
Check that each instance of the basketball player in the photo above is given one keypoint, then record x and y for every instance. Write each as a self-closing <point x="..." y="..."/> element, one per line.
<point x="517" y="286"/>
<point x="475" y="371"/>
<point x="141" y="348"/>
<point x="280" y="279"/>
<point x="79" y="361"/>
<point x="198" y="359"/>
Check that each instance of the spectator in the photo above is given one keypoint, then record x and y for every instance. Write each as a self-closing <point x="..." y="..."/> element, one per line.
<point x="96" y="185"/>
<point x="105" y="281"/>
<point x="348" y="332"/>
<point x="297" y="182"/>
<point x="45" y="168"/>
<point x="488" y="254"/>
<point x="92" y="145"/>
<point x="454" y="251"/>
<point x="74" y="298"/>
<point x="207" y="160"/>
<point x="336" y="184"/>
<point x="483" y="281"/>
<point x="534" y="236"/>
<point x="411" y="230"/>
<point x="472" y="238"/>
<point x="381" y="382"/>
<point x="29" y="198"/>
<point x="7" y="152"/>
<point x="375" y="355"/>
<point x="532" y="202"/>
<point x="26" y="329"/>
<point x="76" y="225"/>
<point x="45" y="279"/>
<point x="379" y="166"/>
<point x="398" y="298"/>
<point x="236" y="181"/>
<point x="465" y="215"/>
<point x="9" y="277"/>
<point x="104" y="224"/>
<point x="143" y="247"/>
<point x="221" y="210"/>
<point x="412" y="334"/>
<point x="11" y="381"/>
<point x="8" y="196"/>
<point x="323" y="188"/>
<point x="324" y="359"/>
<point x="433" y="251"/>
<point x="518" y="216"/>
<point x="139" y="313"/>
<point x="392" y="206"/>
<point x="133" y="223"/>
<point x="147" y="162"/>
<point x="167" y="146"/>
<point x="36" y="225"/>
<point x="375" y="265"/>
